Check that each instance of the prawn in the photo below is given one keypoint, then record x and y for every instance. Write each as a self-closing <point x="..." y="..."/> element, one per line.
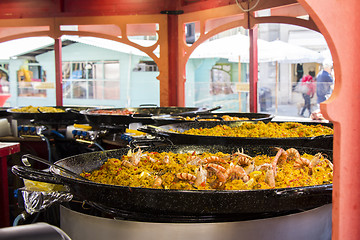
<point x="292" y="154"/>
<point x="216" y="166"/>
<point x="135" y="157"/>
<point x="201" y="175"/>
<point x="276" y="159"/>
<point x="166" y="159"/>
<point x="243" y="161"/>
<point x="186" y="176"/>
<point x="304" y="162"/>
<point x="270" y="177"/>
<point x="221" y="177"/>
<point x="237" y="171"/>
<point x="157" y="182"/>
<point x="193" y="160"/>
<point x="126" y="163"/>
<point x="242" y="154"/>
<point x="212" y="159"/>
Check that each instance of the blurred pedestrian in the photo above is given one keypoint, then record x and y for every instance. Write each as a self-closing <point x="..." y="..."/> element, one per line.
<point x="308" y="91"/>
<point x="324" y="82"/>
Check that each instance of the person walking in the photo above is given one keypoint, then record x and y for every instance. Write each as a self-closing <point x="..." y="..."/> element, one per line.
<point x="307" y="83"/>
<point x="324" y="82"/>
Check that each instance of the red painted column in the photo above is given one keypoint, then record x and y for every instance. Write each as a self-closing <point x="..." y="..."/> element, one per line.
<point x="339" y="21"/>
<point x="174" y="81"/>
<point x="58" y="72"/>
<point x="253" y="69"/>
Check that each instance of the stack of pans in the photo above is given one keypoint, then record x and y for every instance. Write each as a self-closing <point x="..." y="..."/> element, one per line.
<point x="143" y="204"/>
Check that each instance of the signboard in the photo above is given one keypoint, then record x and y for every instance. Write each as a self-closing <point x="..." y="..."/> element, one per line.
<point x="242" y="87"/>
<point x="43" y="85"/>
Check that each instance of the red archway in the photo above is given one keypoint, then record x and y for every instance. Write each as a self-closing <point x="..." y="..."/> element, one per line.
<point x="338" y="23"/>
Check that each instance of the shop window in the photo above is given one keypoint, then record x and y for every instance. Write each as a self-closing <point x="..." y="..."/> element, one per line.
<point x="221" y="79"/>
<point x="91" y="80"/>
<point x="4" y="79"/>
<point x="32" y="81"/>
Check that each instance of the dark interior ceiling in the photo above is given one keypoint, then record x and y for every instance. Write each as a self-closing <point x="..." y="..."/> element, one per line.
<point x="33" y="54"/>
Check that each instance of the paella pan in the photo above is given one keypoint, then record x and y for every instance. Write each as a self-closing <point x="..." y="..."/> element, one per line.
<point x="214" y="133"/>
<point x="174" y="202"/>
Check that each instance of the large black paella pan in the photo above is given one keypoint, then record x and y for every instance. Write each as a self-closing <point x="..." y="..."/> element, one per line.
<point x="184" y="203"/>
<point x="212" y="116"/>
<point x="177" y="134"/>
<point x="49" y="114"/>
<point x="115" y="116"/>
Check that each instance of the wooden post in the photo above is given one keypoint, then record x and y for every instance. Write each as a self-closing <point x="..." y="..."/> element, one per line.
<point x="239" y="79"/>
<point x="253" y="73"/>
<point x="276" y="86"/>
<point x="58" y="74"/>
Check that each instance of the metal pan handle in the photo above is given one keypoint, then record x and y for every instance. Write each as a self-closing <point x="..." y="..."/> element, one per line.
<point x="201" y="111"/>
<point x="213" y="109"/>
<point x="148" y="105"/>
<point x="210" y="117"/>
<point x="71" y="110"/>
<point x="25" y="161"/>
<point x="34" y="174"/>
<point x="141" y="116"/>
<point x="153" y="130"/>
<point x="143" y="143"/>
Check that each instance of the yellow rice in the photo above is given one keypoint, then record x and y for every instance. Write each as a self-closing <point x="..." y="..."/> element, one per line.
<point x="263" y="130"/>
<point x="144" y="174"/>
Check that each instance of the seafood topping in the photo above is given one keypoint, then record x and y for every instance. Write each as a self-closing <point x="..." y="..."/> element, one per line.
<point x="206" y="171"/>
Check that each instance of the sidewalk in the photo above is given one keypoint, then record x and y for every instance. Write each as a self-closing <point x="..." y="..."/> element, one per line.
<point x="286" y="112"/>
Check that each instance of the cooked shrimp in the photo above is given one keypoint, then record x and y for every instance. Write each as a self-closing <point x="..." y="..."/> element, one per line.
<point x="301" y="163"/>
<point x="221" y="177"/>
<point x="151" y="159"/>
<point x="126" y="163"/>
<point x="135" y="157"/>
<point x="282" y="157"/>
<point x="242" y="154"/>
<point x="194" y="160"/>
<point x="243" y="161"/>
<point x="315" y="160"/>
<point x="304" y="162"/>
<point x="201" y="176"/>
<point x="329" y="164"/>
<point x="186" y="176"/>
<point x="166" y="159"/>
<point x="250" y="168"/>
<point x="213" y="159"/>
<point x="216" y="166"/>
<point x="270" y="177"/>
<point x="292" y="154"/>
<point x="263" y="167"/>
<point x="276" y="159"/>
<point x="157" y="182"/>
<point x="237" y="171"/>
